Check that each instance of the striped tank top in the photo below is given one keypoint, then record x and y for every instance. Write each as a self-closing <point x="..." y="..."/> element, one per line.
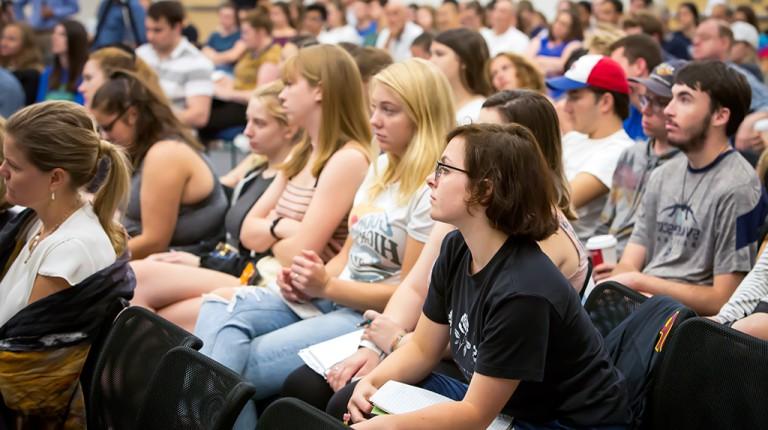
<point x="293" y="204"/>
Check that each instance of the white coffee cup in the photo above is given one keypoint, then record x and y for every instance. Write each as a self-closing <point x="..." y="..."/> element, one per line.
<point x="602" y="249"/>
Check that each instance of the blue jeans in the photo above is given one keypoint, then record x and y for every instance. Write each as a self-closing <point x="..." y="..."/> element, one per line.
<point x="455" y="390"/>
<point x="445" y="385"/>
<point x="258" y="336"/>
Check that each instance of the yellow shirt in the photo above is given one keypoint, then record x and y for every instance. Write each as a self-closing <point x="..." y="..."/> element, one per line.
<point x="247" y="68"/>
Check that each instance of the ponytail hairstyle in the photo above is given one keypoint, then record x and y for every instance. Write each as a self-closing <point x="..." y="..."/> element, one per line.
<point x="344" y="116"/>
<point x="425" y="94"/>
<point x="155" y="118"/>
<point x="3" y="204"/>
<point x="59" y="134"/>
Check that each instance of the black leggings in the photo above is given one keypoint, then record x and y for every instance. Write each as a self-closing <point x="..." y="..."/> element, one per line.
<point x="307" y="385"/>
<point x="224" y="115"/>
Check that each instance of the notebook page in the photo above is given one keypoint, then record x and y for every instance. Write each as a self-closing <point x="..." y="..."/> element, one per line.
<point x="320" y="357"/>
<point x="398" y="398"/>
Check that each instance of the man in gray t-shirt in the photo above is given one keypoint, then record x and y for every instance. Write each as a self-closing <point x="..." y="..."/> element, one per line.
<point x="638" y="161"/>
<point x="696" y="231"/>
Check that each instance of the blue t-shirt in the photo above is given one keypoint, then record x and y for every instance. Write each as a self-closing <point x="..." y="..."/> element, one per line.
<point x="633" y="125"/>
<point x="369" y="34"/>
<point x="223" y="43"/>
<point x="61" y="93"/>
<point x="13" y="95"/>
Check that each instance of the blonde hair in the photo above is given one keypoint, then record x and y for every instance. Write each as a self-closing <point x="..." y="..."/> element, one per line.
<point x="267" y="95"/>
<point x="601" y="39"/>
<point x="426" y="97"/>
<point x="3" y="204"/>
<point x="59" y="134"/>
<point x="344" y="114"/>
<point x="111" y="59"/>
<point x="528" y="75"/>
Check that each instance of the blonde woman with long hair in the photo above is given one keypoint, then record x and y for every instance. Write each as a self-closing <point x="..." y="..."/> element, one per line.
<point x="389" y="223"/>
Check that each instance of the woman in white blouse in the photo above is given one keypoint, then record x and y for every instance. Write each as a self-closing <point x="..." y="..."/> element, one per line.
<point x="65" y="272"/>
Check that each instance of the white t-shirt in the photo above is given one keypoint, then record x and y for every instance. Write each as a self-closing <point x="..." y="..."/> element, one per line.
<point x="337" y="35"/>
<point x="76" y="250"/>
<point x="512" y="40"/>
<point x="597" y="157"/>
<point x="380" y="229"/>
<point x="468" y="113"/>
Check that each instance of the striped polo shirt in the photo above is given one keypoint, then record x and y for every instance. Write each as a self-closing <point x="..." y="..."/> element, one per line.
<point x="184" y="73"/>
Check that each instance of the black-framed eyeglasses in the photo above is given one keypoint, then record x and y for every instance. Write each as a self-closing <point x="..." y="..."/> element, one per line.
<point x="108" y="127"/>
<point x="656" y="104"/>
<point x="442" y="168"/>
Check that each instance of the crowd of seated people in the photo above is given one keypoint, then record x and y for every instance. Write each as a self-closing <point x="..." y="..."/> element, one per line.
<point x="430" y="174"/>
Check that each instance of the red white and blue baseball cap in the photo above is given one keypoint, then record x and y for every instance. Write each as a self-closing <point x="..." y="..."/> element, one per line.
<point x="596" y="71"/>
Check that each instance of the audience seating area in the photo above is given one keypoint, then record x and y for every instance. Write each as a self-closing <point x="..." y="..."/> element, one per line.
<point x="288" y="150"/>
<point x="710" y="376"/>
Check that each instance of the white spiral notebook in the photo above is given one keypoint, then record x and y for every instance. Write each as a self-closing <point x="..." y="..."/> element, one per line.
<point x="397" y="398"/>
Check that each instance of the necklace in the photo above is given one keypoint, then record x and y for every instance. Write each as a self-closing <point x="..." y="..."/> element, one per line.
<point x="39" y="235"/>
<point x="684" y="201"/>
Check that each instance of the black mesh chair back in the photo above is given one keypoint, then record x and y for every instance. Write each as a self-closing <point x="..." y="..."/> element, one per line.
<point x="610" y="303"/>
<point x="711" y="377"/>
<point x="129" y="358"/>
<point x="289" y="414"/>
<point x="191" y="391"/>
<point x="97" y="345"/>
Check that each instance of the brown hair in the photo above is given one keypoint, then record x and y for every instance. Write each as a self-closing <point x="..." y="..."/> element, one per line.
<point x="534" y="111"/>
<point x="528" y="75"/>
<point x="3" y="204"/>
<point x="639" y="46"/>
<point x="77" y="55"/>
<point x="501" y="161"/>
<point x="472" y="51"/>
<point x="259" y="19"/>
<point x="370" y="61"/>
<point x="726" y="88"/>
<point x="575" y="32"/>
<point x="59" y="134"/>
<point x="156" y="121"/>
<point x="172" y="11"/>
<point x="649" y="24"/>
<point x="113" y="58"/>
<point x="29" y="56"/>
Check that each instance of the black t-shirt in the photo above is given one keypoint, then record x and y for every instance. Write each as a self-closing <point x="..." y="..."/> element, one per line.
<point x="519" y="318"/>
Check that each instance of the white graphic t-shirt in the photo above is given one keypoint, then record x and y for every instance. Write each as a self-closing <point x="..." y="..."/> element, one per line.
<point x="380" y="229"/>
